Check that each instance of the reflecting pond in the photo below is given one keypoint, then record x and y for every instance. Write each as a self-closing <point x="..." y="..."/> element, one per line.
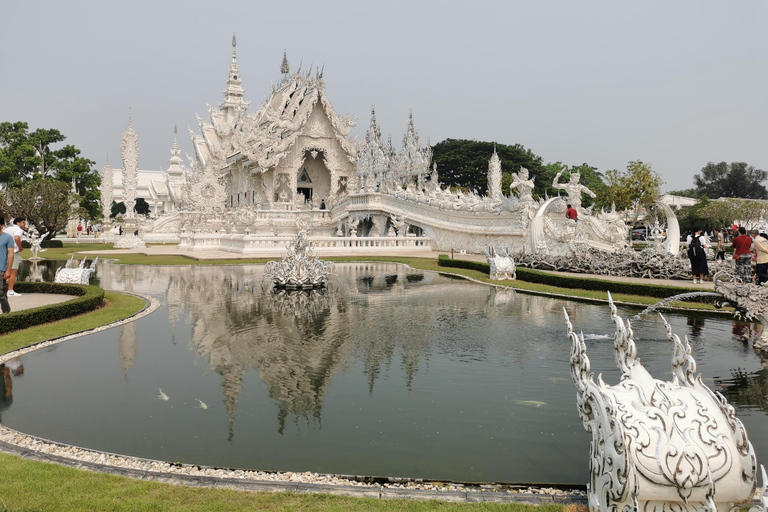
<point x="390" y="372"/>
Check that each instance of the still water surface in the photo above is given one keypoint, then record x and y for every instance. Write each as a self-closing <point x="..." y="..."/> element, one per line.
<point x="392" y="372"/>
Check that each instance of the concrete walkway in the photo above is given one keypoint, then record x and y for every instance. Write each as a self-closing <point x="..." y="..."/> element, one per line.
<point x="35" y="300"/>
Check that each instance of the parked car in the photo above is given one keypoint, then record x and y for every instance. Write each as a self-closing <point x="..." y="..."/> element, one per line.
<point x="639" y="234"/>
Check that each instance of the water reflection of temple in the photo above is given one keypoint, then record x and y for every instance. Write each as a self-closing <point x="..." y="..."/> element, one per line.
<point x="297" y="343"/>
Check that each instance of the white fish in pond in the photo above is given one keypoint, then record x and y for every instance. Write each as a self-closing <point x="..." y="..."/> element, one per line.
<point x="530" y="402"/>
<point x="162" y="396"/>
<point x="202" y="404"/>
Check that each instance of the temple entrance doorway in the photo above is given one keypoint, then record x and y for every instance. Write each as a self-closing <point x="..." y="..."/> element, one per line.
<point x="306" y="191"/>
<point x="313" y="178"/>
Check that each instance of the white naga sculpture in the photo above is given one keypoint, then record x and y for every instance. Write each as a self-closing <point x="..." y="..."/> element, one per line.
<point x="501" y="263"/>
<point x="573" y="188"/>
<point x="656" y="445"/>
<point x="77" y="275"/>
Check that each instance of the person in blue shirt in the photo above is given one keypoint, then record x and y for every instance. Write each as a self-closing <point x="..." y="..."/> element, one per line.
<point x="6" y="262"/>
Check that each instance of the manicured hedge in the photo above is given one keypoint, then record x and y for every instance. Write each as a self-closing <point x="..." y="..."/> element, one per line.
<point x="88" y="298"/>
<point x="650" y="289"/>
<point x="45" y="244"/>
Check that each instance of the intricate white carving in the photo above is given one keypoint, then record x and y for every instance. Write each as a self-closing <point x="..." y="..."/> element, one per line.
<point x="299" y="269"/>
<point x="501" y="263"/>
<point x="129" y="151"/>
<point x="77" y="275"/>
<point x="659" y="445"/>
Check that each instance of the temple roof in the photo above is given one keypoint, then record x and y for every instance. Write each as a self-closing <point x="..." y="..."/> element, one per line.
<point x="264" y="138"/>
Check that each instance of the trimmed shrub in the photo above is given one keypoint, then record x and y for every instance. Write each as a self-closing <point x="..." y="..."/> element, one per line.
<point x="45" y="244"/>
<point x="87" y="299"/>
<point x="572" y="281"/>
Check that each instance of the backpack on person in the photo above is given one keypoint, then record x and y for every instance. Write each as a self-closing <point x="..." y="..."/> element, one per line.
<point x="695" y="248"/>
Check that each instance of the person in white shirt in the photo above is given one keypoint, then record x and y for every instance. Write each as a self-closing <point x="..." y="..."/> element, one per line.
<point x="17" y="230"/>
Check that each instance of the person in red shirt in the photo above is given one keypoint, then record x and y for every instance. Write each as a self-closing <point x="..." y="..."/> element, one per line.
<point x="572" y="214"/>
<point x="742" y="253"/>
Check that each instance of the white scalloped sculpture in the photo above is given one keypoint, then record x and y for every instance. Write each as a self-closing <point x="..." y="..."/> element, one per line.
<point x="76" y="275"/>
<point x="501" y="263"/>
<point x="656" y="445"/>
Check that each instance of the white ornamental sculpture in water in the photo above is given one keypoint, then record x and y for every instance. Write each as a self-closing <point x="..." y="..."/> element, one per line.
<point x="656" y="445"/>
<point x="501" y="263"/>
<point x="76" y="275"/>
<point x="299" y="269"/>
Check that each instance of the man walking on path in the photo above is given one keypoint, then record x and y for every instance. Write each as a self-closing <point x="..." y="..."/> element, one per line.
<point x="6" y="261"/>
<point x="720" y="256"/>
<point x="16" y="231"/>
<point x="742" y="253"/>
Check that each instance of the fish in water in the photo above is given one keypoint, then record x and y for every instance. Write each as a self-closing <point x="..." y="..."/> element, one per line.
<point x="202" y="404"/>
<point x="530" y="402"/>
<point x="162" y="396"/>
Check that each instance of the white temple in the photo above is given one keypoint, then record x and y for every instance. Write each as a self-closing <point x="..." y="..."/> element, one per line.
<point x="256" y="176"/>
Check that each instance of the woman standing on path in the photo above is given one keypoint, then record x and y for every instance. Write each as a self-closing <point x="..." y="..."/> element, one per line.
<point x="696" y="245"/>
<point x="761" y="248"/>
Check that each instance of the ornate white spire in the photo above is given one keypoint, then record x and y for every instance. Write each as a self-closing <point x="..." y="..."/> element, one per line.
<point x="176" y="168"/>
<point x="129" y="152"/>
<point x="494" y="176"/>
<point x="413" y="160"/>
<point x="107" y="190"/>
<point x="371" y="156"/>
<point x="284" y="68"/>
<point x="233" y="94"/>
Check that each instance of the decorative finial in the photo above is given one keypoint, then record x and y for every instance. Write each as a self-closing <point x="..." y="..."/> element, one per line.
<point x="129" y="117"/>
<point x="284" y="69"/>
<point x="234" y="40"/>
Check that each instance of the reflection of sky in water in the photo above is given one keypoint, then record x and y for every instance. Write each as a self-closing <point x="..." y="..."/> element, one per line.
<point x="390" y="372"/>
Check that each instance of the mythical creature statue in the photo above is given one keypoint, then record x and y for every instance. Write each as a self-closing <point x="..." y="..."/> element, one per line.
<point x="573" y="188"/>
<point x="660" y="445"/>
<point x="81" y="274"/>
<point x="523" y="185"/>
<point x="501" y="263"/>
<point x="35" y="241"/>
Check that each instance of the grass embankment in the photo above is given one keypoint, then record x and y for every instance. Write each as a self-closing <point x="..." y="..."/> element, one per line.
<point x="117" y="307"/>
<point x="28" y="486"/>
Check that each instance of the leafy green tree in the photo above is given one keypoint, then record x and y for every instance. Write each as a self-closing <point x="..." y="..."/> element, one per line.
<point x="141" y="207"/>
<point x="688" y="192"/>
<point x="736" y="179"/>
<point x="117" y="209"/>
<point x="693" y="217"/>
<point x="638" y="186"/>
<point x="28" y="155"/>
<point x="45" y="202"/>
<point x="464" y="163"/>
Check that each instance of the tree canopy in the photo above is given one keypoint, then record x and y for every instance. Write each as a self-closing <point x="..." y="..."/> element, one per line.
<point x="464" y="164"/>
<point x="26" y="155"/>
<point x="44" y="202"/>
<point x="639" y="185"/>
<point x="736" y="179"/>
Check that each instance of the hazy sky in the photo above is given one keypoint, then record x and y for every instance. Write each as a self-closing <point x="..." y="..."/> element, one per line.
<point x="673" y="83"/>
